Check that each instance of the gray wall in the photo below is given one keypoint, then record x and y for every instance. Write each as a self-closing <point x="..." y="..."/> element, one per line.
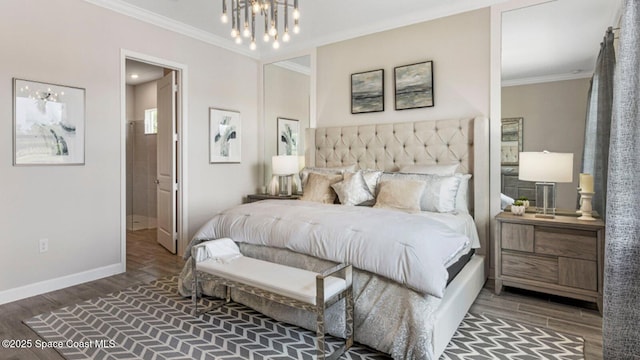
<point x="554" y="119"/>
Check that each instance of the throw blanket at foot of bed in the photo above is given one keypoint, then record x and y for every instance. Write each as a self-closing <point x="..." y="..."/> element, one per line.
<point x="409" y="249"/>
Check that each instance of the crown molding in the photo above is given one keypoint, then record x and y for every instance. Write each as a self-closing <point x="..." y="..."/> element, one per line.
<point x="546" y="78"/>
<point x="290" y="65"/>
<point x="164" y="22"/>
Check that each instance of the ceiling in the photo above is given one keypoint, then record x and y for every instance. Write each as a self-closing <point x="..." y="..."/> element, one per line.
<point x="145" y="72"/>
<point x="554" y="39"/>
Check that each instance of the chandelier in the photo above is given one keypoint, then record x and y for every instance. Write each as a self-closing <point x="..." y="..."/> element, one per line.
<point x="269" y="10"/>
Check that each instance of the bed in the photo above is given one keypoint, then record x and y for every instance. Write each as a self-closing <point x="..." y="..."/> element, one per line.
<point x="410" y="304"/>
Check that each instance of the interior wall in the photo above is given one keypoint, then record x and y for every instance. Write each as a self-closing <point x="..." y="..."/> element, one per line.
<point x="78" y="208"/>
<point x="286" y="95"/>
<point x="458" y="46"/>
<point x="554" y="119"/>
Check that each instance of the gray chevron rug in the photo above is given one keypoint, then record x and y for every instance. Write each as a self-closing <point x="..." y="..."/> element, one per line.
<point x="153" y="322"/>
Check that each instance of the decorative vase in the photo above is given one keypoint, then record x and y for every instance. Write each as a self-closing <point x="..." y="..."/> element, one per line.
<point x="525" y="203"/>
<point x="517" y="210"/>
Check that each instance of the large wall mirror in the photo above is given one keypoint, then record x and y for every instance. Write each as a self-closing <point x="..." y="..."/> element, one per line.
<point x="287" y="86"/>
<point x="549" y="52"/>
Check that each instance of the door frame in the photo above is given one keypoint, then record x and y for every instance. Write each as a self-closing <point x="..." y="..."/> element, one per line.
<point x="182" y="224"/>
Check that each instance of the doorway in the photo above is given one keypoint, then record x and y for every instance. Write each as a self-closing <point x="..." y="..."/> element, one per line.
<point x="152" y="167"/>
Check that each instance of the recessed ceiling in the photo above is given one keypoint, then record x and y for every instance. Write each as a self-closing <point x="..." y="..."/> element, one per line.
<point x="542" y="41"/>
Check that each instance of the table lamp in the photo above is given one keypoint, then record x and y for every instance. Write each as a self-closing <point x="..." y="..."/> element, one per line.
<point x="546" y="169"/>
<point x="284" y="166"/>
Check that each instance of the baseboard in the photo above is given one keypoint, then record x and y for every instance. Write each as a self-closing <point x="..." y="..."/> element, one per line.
<point x="46" y="286"/>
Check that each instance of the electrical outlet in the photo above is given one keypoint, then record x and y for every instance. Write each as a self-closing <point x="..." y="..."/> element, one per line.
<point x="44" y="245"/>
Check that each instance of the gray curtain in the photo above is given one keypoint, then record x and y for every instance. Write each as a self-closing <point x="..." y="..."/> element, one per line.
<point x="595" y="159"/>
<point x="621" y="324"/>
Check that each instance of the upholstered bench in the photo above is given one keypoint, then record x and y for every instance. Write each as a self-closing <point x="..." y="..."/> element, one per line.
<point x="287" y="285"/>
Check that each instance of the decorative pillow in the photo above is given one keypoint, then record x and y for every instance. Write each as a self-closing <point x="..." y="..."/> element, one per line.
<point x="440" y="191"/>
<point x="442" y="170"/>
<point x="319" y="189"/>
<point x="401" y="195"/>
<point x="371" y="178"/>
<point x="353" y="189"/>
<point x="304" y="173"/>
<point x="440" y="194"/>
<point x="462" y="196"/>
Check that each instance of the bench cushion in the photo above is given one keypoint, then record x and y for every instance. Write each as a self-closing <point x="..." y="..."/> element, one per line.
<point x="288" y="281"/>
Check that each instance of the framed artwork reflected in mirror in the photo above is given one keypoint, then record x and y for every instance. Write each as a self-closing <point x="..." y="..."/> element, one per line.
<point x="511" y="141"/>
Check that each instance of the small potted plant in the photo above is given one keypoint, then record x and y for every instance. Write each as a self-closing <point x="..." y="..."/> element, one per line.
<point x="525" y="201"/>
<point x="518" y="208"/>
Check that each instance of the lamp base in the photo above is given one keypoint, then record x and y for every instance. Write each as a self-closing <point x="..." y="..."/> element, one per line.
<point x="545" y="200"/>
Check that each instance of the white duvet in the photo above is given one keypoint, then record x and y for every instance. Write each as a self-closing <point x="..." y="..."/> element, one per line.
<point x="410" y="249"/>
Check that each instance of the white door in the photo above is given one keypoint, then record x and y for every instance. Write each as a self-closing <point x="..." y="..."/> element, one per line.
<point x="166" y="181"/>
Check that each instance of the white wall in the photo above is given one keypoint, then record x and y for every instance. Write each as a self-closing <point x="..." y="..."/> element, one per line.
<point x="78" y="208"/>
<point x="554" y="119"/>
<point x="458" y="46"/>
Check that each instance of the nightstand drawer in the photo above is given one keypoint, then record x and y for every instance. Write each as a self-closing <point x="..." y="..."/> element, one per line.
<point x="568" y="243"/>
<point x="530" y="267"/>
<point x="582" y="274"/>
<point x="517" y="237"/>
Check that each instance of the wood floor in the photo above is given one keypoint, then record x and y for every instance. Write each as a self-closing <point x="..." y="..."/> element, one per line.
<point x="147" y="261"/>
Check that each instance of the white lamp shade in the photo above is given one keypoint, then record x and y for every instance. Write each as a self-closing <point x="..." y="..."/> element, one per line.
<point x="546" y="167"/>
<point x="284" y="164"/>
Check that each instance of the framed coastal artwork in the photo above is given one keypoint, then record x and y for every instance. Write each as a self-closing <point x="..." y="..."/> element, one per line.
<point x="414" y="86"/>
<point x="225" y="129"/>
<point x="288" y="136"/>
<point x="367" y="92"/>
<point x="48" y="123"/>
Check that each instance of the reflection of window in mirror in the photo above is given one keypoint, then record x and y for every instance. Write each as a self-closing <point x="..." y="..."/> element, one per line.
<point x="511" y="140"/>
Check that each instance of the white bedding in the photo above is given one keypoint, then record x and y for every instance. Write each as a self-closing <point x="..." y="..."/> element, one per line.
<point x="461" y="223"/>
<point x="413" y="250"/>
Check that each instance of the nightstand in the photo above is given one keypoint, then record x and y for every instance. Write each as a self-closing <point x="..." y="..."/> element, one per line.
<point x="562" y="256"/>
<point x="257" y="197"/>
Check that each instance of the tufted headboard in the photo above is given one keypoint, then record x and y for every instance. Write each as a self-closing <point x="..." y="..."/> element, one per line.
<point x="390" y="146"/>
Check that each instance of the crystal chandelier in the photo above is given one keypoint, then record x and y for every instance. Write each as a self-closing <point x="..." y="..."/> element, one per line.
<point x="269" y="11"/>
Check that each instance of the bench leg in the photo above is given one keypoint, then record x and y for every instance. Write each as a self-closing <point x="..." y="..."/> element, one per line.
<point x="320" y="334"/>
<point x="195" y="295"/>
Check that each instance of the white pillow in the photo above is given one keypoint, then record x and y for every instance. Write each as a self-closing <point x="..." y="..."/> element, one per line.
<point x="442" y="170"/>
<point x="462" y="197"/>
<point x="353" y="189"/>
